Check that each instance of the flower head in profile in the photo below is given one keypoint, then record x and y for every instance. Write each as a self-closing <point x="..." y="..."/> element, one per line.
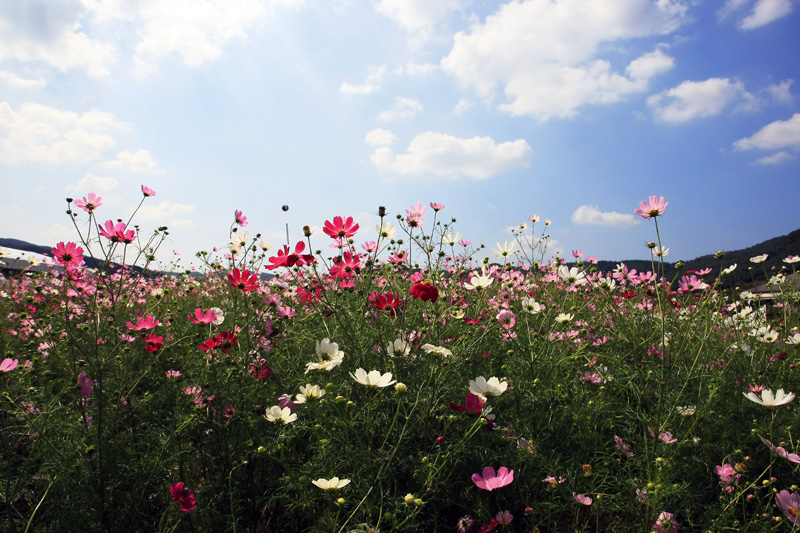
<point x="309" y="392"/>
<point x="333" y="483"/>
<point x="581" y="499"/>
<point x="147" y="191"/>
<point x="759" y="258"/>
<point x="183" y="496"/>
<point x="789" y="503"/>
<point x="281" y="415"/>
<point x="89" y="203"/>
<point x="781" y="452"/>
<point x="503" y="250"/>
<point x="203" y="317"/>
<point x="8" y="364"/>
<point x="654" y="208"/>
<point x="490" y="480"/>
<point x="770" y="399"/>
<point x="666" y="523"/>
<point x="239" y="218"/>
<point x="479" y="281"/>
<point x="373" y="379"/>
<point x="437" y="206"/>
<point x="329" y="355"/>
<point x="492" y="387"/>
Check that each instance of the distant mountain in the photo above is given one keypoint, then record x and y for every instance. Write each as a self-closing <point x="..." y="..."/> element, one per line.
<point x="746" y="275"/>
<point x="23" y="246"/>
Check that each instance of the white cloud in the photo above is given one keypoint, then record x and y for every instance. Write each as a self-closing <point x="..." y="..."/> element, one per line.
<point x="37" y="133"/>
<point x="462" y="106"/>
<point x="91" y="183"/>
<point x="545" y="56"/>
<point x="165" y="211"/>
<point x="417" y="69"/>
<point x="764" y="12"/>
<point x="693" y="99"/>
<point x="13" y="80"/>
<point x="773" y="136"/>
<point x="781" y="92"/>
<point x="380" y="137"/>
<point x="775" y="159"/>
<point x="592" y="216"/>
<point x="50" y="31"/>
<point x="372" y="83"/>
<point x="416" y="15"/>
<point x="445" y="156"/>
<point x="402" y="109"/>
<point x="730" y="7"/>
<point x="139" y="161"/>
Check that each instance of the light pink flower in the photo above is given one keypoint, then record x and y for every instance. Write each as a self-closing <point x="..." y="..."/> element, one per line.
<point x="85" y="385"/>
<point x="666" y="523"/>
<point x="778" y="450"/>
<point x="491" y="480"/>
<point x="437" y="207"/>
<point x="728" y="477"/>
<point x="580" y="498"/>
<point x="240" y="218"/>
<point x="415" y="215"/>
<point x="89" y="203"/>
<point x="654" y="208"/>
<point x="789" y="503"/>
<point x="147" y="191"/>
<point x="8" y="364"/>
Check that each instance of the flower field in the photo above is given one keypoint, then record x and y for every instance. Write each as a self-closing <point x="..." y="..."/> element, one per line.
<point x="383" y="379"/>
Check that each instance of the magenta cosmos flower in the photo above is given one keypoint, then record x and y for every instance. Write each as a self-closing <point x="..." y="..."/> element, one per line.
<point x="652" y="209"/>
<point x="203" y="317"/>
<point x="243" y="280"/>
<point x="68" y="255"/>
<point x="491" y="480"/>
<point x="183" y="496"/>
<point x="241" y="220"/>
<point x="116" y="232"/>
<point x="789" y="503"/>
<point x="340" y="228"/>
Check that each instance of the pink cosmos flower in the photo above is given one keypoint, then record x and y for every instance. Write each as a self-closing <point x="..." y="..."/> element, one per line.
<point x="474" y="405"/>
<point x="415" y="215"/>
<point x="654" y="208"/>
<point x="143" y="323"/>
<point x="553" y="482"/>
<point x="85" y="384"/>
<point x="506" y="319"/>
<point x="728" y="477"/>
<point x="504" y="517"/>
<point x="789" y="503"/>
<point x="153" y="343"/>
<point x="666" y="523"/>
<point x="68" y="255"/>
<point x="183" y="496"/>
<point x="437" y="207"/>
<point x="340" y="228"/>
<point x="147" y="191"/>
<point x="778" y="450"/>
<point x="624" y="448"/>
<point x="89" y="203"/>
<point x="241" y="220"/>
<point x="8" y="364"/>
<point x="284" y="258"/>
<point x="581" y="499"/>
<point x="491" y="480"/>
<point x="667" y="438"/>
<point x="116" y="232"/>
<point x="577" y="254"/>
<point x="203" y="317"/>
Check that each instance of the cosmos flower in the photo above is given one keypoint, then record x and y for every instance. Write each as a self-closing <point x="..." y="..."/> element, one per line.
<point x="654" y="208"/>
<point x="768" y="399"/>
<point x="89" y="203"/>
<point x="183" y="496"/>
<point x="340" y="228"/>
<point x="666" y="523"/>
<point x="789" y="503"/>
<point x="425" y="291"/>
<point x="333" y="483"/>
<point x="278" y="414"/>
<point x="68" y="255"/>
<point x="491" y="480"/>
<point x="492" y="387"/>
<point x="373" y="379"/>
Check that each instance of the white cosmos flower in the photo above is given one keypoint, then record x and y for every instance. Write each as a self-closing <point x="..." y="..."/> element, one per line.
<point x="240" y="239"/>
<point x="573" y="275"/>
<point x="438" y="350"/>
<point x="282" y="415"/>
<point x="531" y="306"/>
<point x="452" y="239"/>
<point x="503" y="250"/>
<point x="479" y="281"/>
<point x="728" y="270"/>
<point x="792" y="259"/>
<point x="768" y="399"/>
<point x="794" y="339"/>
<point x="373" y="379"/>
<point x="483" y="387"/>
<point x="309" y="392"/>
<point x="220" y="316"/>
<point x="330" y="484"/>
<point x="398" y="347"/>
<point x="564" y="317"/>
<point x="386" y="230"/>
<point x="329" y="354"/>
<point x="759" y="258"/>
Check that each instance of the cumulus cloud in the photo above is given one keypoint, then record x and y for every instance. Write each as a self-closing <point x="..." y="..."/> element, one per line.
<point x="13" y="80"/>
<point x="449" y="157"/>
<point x="416" y="15"/>
<point x="416" y="69"/>
<point x="694" y="99"/>
<point x="38" y="133"/>
<point x="51" y="32"/>
<point x="463" y="105"/>
<point x="161" y="212"/>
<point x="764" y="12"/>
<point x="372" y="83"/>
<point x="546" y="57"/>
<point x="380" y="137"/>
<point x="775" y="159"/>
<point x="781" y="92"/>
<point x="91" y="183"/>
<point x="774" y="136"/>
<point x="592" y="216"/>
<point x="402" y="109"/>
<point x="139" y="161"/>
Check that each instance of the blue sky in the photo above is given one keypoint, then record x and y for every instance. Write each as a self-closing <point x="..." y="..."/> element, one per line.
<point x="569" y="109"/>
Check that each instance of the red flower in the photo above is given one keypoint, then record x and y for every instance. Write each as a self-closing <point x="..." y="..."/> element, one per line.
<point x="184" y="497"/>
<point x="389" y="302"/>
<point x="227" y="340"/>
<point x="425" y="291"/>
<point x="344" y="267"/>
<point x="284" y="258"/>
<point x="68" y="255"/>
<point x="340" y="228"/>
<point x="210" y="344"/>
<point x="243" y="280"/>
<point x="153" y="343"/>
